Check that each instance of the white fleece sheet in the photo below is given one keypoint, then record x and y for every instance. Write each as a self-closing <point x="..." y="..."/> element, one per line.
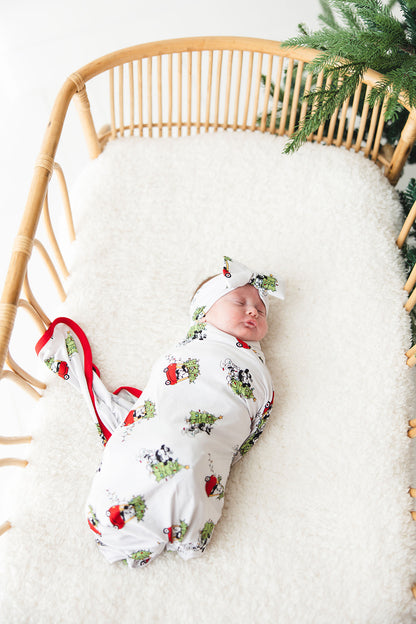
<point x="316" y="525"/>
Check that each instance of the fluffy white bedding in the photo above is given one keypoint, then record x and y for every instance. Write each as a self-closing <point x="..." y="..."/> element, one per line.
<point x="316" y="526"/>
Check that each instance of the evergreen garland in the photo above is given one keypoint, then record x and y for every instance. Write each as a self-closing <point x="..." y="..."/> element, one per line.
<point x="368" y="36"/>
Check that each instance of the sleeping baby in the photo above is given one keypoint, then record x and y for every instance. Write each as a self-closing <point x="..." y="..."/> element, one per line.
<point x="169" y="449"/>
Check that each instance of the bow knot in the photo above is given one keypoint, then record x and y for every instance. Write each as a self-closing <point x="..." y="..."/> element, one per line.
<point x="234" y="275"/>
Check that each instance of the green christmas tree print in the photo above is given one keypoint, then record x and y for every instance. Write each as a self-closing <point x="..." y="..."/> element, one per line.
<point x="265" y="282"/>
<point x="141" y="555"/>
<point x="206" y="533"/>
<point x="139" y="506"/>
<point x="149" y="409"/>
<point x="197" y="418"/>
<point x="49" y="362"/>
<point x="199" y="313"/>
<point x="192" y="366"/>
<point x="164" y="471"/>
<point x="71" y="347"/>
<point x="196" y="331"/>
<point x="242" y="390"/>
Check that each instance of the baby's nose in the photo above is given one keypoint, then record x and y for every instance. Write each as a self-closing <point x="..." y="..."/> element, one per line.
<point x="252" y="310"/>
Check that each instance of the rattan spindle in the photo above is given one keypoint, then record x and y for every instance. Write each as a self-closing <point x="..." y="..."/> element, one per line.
<point x="248" y="92"/>
<point x="353" y="115"/>
<point x="198" y="91"/>
<point x="25" y="305"/>
<point x="8" y="374"/>
<point x="411" y="301"/>
<point x="276" y="95"/>
<point x="266" y="94"/>
<point x="33" y="302"/>
<point x="121" y="99"/>
<point x="189" y="98"/>
<point x="140" y="95"/>
<point x="112" y="104"/>
<point x="295" y="97"/>
<point x="331" y="128"/>
<point x="411" y="351"/>
<point x="342" y="123"/>
<point x="13" y="461"/>
<point x="170" y="94"/>
<point x="228" y="89"/>
<point x="14" y="366"/>
<point x="209" y="90"/>
<point x="84" y="110"/>
<point x="65" y="198"/>
<point x="319" y="83"/>
<point x="411" y="280"/>
<point x="402" y="151"/>
<point x="217" y="90"/>
<point x="306" y="91"/>
<point x="149" y="96"/>
<point x="52" y="238"/>
<point x="131" y="94"/>
<point x="286" y="97"/>
<point x="238" y="89"/>
<point x="180" y="94"/>
<point x="159" y="95"/>
<point x="257" y="85"/>
<point x="6" y="440"/>
<point x="379" y="132"/>
<point x="371" y="130"/>
<point x="6" y="526"/>
<point x="410" y="219"/>
<point x="46" y="258"/>
<point x="320" y="133"/>
<point x="364" y="114"/>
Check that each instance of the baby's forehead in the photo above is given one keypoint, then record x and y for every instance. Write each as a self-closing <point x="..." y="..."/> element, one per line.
<point x="247" y="291"/>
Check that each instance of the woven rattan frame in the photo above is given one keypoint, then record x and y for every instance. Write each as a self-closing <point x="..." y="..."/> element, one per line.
<point x="178" y="87"/>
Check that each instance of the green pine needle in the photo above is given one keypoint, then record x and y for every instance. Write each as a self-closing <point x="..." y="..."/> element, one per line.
<point x="366" y="35"/>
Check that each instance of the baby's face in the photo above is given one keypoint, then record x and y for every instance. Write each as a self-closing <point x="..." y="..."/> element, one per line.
<point x="240" y="313"/>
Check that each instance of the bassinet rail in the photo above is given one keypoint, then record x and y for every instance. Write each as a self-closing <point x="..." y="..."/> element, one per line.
<point x="183" y="87"/>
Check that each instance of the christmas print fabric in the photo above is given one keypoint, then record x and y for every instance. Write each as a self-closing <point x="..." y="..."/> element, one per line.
<point x="168" y="450"/>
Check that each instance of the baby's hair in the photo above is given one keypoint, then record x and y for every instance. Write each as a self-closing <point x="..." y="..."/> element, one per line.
<point x="202" y="283"/>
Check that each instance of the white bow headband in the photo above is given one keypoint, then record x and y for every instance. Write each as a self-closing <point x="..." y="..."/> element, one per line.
<point x="234" y="275"/>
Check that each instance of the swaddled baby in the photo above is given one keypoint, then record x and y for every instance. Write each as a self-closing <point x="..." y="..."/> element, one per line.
<point x="167" y="458"/>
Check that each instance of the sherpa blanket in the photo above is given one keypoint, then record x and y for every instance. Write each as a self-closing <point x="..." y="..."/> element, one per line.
<point x="316" y="526"/>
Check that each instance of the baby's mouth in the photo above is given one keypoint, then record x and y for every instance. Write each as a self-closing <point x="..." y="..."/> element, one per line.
<point x="251" y="323"/>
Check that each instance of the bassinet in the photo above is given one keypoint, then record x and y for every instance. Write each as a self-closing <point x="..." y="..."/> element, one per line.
<point x="196" y="89"/>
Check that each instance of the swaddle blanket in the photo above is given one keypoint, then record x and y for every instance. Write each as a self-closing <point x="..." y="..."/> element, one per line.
<point x="169" y="449"/>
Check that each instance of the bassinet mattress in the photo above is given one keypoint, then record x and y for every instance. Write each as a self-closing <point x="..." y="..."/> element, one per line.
<point x="316" y="525"/>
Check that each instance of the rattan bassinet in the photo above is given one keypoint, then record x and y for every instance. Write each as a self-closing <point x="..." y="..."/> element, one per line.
<point x="175" y="88"/>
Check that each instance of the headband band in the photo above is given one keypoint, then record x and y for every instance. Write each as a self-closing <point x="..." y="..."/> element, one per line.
<point x="234" y="275"/>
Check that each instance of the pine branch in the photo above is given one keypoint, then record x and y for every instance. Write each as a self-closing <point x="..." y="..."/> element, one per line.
<point x="348" y="15"/>
<point x="327" y="16"/>
<point x="410" y="19"/>
<point x="322" y="104"/>
<point x="370" y="37"/>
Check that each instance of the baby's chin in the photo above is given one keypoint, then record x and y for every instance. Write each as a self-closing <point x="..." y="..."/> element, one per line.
<point x="248" y="336"/>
